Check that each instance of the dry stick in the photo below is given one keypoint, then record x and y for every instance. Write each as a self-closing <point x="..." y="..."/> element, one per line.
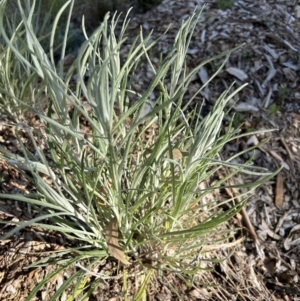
<point x="290" y="155"/>
<point x="233" y="193"/>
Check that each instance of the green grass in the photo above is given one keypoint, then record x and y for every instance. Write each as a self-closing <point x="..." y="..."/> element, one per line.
<point x="92" y="186"/>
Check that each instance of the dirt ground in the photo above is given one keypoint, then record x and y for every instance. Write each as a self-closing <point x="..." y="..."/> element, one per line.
<point x="266" y="265"/>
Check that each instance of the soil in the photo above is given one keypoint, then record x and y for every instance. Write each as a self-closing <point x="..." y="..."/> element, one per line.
<point x="266" y="265"/>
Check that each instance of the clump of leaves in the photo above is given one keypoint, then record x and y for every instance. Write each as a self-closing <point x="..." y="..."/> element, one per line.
<point x="274" y="108"/>
<point x="109" y="189"/>
<point x="238" y="120"/>
<point x="283" y="93"/>
<point x="225" y="4"/>
<point x="247" y="53"/>
<point x="148" y="4"/>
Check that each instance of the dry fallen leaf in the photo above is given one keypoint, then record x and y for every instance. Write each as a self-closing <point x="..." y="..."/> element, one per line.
<point x="238" y="73"/>
<point x="271" y="233"/>
<point x="111" y="237"/>
<point x="176" y="153"/>
<point x="293" y="238"/>
<point x="279" y="191"/>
